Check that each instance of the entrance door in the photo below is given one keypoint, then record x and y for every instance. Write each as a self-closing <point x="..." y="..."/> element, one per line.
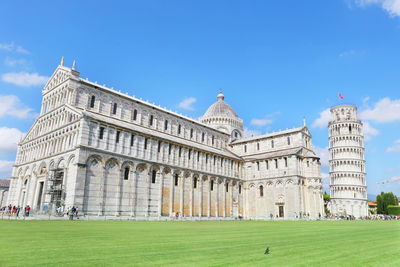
<point x="281" y="211"/>
<point x="39" y="201"/>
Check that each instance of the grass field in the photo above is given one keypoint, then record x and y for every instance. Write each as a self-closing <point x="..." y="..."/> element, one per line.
<point x="339" y="243"/>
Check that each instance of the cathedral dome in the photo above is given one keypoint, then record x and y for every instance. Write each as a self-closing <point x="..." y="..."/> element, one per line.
<point x="220" y="109"/>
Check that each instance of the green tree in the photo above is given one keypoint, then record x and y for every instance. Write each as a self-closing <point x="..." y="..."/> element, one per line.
<point x="326" y="197"/>
<point x="384" y="200"/>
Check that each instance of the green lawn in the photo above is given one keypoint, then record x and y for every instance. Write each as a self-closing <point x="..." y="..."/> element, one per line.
<point x="350" y="243"/>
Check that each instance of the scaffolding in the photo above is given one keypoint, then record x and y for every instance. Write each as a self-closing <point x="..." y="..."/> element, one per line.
<point x="55" y="187"/>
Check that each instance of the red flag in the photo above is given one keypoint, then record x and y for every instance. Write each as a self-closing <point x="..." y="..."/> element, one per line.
<point x="340" y="96"/>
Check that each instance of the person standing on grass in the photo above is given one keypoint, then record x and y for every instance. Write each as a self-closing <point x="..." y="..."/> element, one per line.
<point x="76" y="212"/>
<point x="28" y="209"/>
<point x="18" y="210"/>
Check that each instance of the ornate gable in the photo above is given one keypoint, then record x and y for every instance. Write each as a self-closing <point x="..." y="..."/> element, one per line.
<point x="66" y="111"/>
<point x="60" y="75"/>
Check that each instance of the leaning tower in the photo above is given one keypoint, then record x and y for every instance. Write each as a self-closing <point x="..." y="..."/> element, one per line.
<point x="348" y="186"/>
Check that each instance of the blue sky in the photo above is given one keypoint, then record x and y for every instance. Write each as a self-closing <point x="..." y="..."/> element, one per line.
<point x="277" y="63"/>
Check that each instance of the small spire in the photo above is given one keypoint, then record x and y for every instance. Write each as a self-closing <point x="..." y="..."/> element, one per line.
<point x="73" y="65"/>
<point x="220" y="97"/>
<point x="62" y="61"/>
<point x="304" y="121"/>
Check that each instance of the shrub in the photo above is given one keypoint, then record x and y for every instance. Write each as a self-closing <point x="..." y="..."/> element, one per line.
<point x="394" y="210"/>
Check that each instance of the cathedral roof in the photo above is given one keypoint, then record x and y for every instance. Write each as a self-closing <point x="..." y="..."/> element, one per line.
<point x="220" y="109"/>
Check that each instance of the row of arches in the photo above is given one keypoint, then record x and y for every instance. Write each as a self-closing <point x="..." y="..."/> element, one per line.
<point x="345" y="128"/>
<point x="160" y="150"/>
<point x="133" y="111"/>
<point x="344" y="151"/>
<point x="141" y="189"/>
<point x="54" y="142"/>
<point x="233" y="122"/>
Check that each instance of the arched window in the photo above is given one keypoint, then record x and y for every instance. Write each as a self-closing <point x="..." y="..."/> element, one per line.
<point x="176" y="179"/>
<point x="114" y="111"/>
<point x="261" y="191"/>
<point x="159" y="147"/>
<point x="134" y="115"/>
<point x="258" y="146"/>
<point x="191" y="133"/>
<point x="153" y="176"/>
<point x="288" y="141"/>
<point x="145" y="143"/>
<point x="202" y="137"/>
<point x="212" y="185"/>
<point x="166" y="126"/>
<point x="179" y="129"/>
<point x="285" y="162"/>
<point x="276" y="164"/>
<point x="227" y="188"/>
<point x="272" y="143"/>
<point x="245" y="149"/>
<point x="117" y="137"/>
<point x="258" y="166"/>
<point x="92" y="100"/>
<point x="126" y="173"/>
<point x="213" y="140"/>
<point x="101" y="133"/>
<point x="195" y="182"/>
<point x="349" y="128"/>
<point x="151" y="120"/>
<point x="240" y="189"/>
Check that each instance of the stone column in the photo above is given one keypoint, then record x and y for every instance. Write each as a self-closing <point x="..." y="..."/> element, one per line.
<point x="135" y="187"/>
<point x="181" y="202"/>
<point x="171" y="193"/>
<point x="191" y="197"/>
<point x="217" y="199"/>
<point x="224" y="190"/>
<point x="148" y="188"/>
<point x="160" y="190"/>
<point x="209" y="198"/>
<point x="102" y="191"/>
<point x="119" y="188"/>
<point x="201" y="197"/>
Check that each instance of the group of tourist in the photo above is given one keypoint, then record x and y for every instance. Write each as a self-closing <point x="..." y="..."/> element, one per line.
<point x="15" y="210"/>
<point x="71" y="212"/>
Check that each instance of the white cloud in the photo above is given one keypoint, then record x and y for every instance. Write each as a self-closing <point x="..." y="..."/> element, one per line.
<point x="323" y="120"/>
<point x="7" y="47"/>
<point x="187" y="103"/>
<point x="11" y="62"/>
<point x="21" y="50"/>
<point x="10" y="105"/>
<point x="249" y="133"/>
<point x="24" y="79"/>
<point x="260" y="122"/>
<point x="325" y="180"/>
<point x="347" y="53"/>
<point x="9" y="137"/>
<point x="369" y="131"/>
<point x="12" y="47"/>
<point x="323" y="154"/>
<point x="385" y="110"/>
<point x="395" y="147"/>
<point x="5" y="168"/>
<point x="391" y="6"/>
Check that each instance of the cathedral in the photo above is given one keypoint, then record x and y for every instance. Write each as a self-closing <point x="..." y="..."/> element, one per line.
<point x="114" y="155"/>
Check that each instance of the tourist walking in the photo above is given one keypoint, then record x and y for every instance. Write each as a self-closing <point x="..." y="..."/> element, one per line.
<point x="18" y="210"/>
